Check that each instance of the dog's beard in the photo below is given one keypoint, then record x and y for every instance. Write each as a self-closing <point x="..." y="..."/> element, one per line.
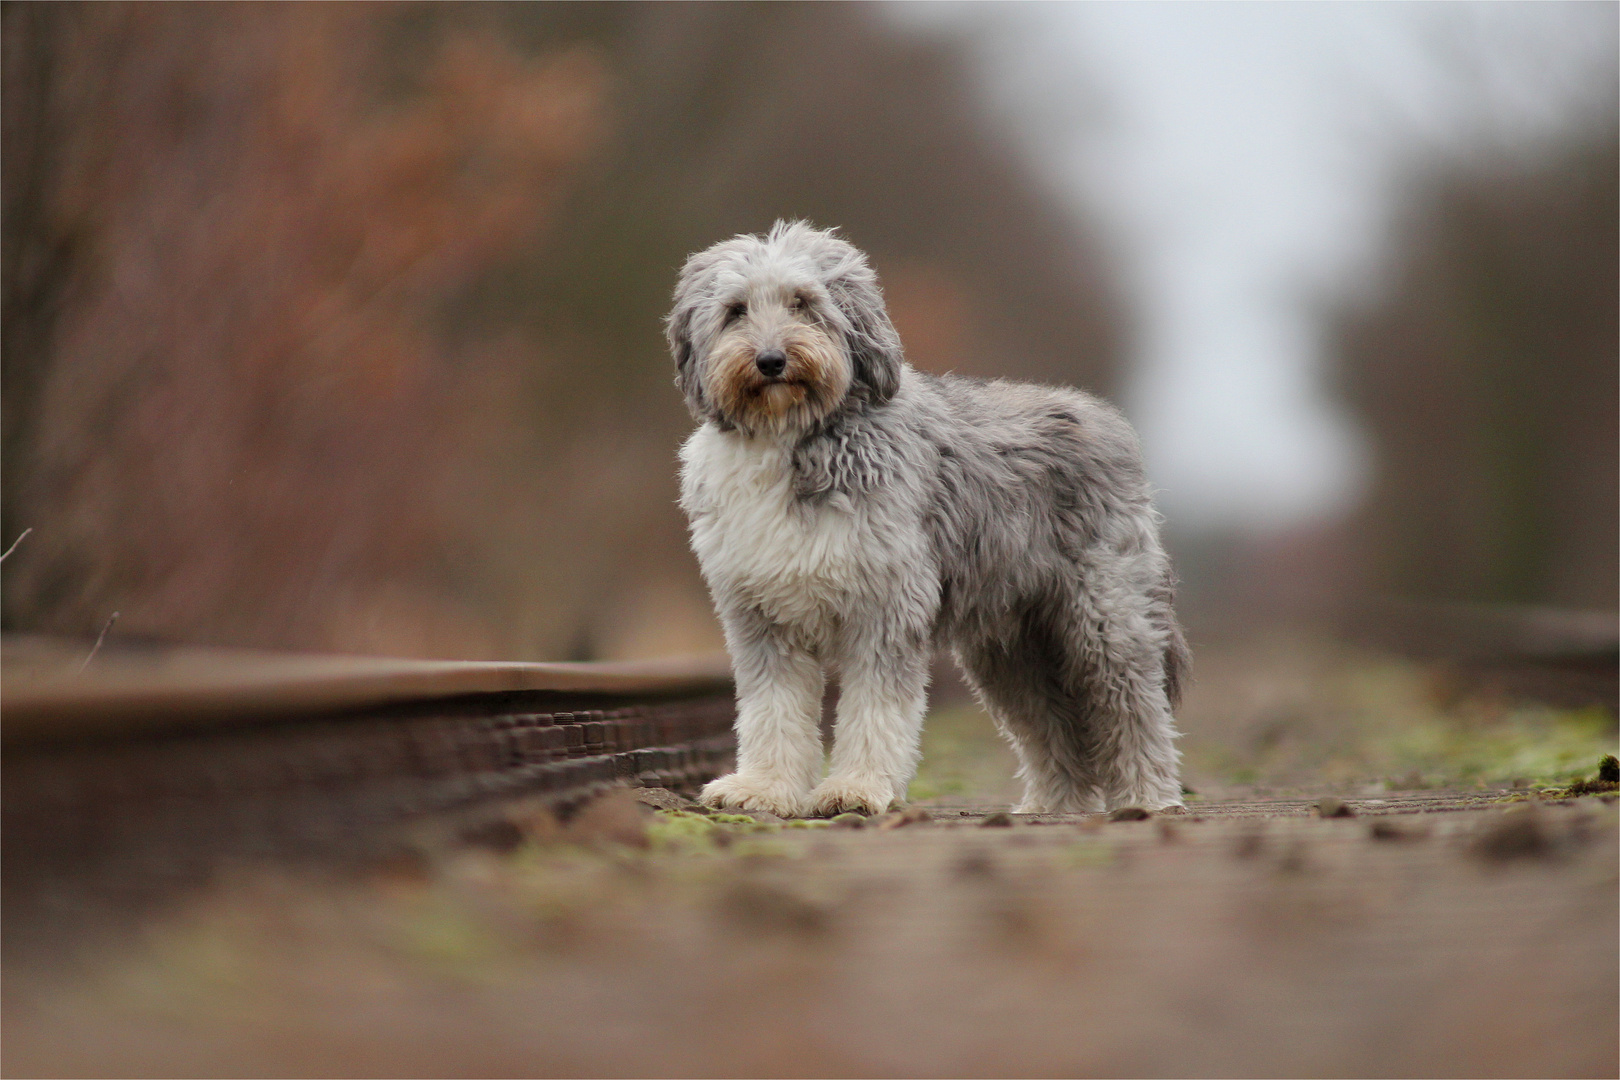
<point x="815" y="380"/>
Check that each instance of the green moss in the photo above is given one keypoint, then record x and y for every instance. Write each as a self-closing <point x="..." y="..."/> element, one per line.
<point x="1347" y="720"/>
<point x="1546" y="746"/>
<point x="1605" y="782"/>
<point x="680" y="829"/>
<point x="684" y="830"/>
<point x="763" y="847"/>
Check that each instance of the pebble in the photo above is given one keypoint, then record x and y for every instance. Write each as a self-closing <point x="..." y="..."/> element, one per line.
<point x="614" y="818"/>
<point x="499" y="835"/>
<point x="757" y="906"/>
<point x="664" y="799"/>
<point x="913" y="815"/>
<point x="1388" y="830"/>
<point x="1518" y="834"/>
<point x="1330" y="807"/>
<point x="975" y="864"/>
<point x="999" y="820"/>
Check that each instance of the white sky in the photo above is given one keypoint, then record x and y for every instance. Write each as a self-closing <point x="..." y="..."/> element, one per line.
<point x="1238" y="156"/>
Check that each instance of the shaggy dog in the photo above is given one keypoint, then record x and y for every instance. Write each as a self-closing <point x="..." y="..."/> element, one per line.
<point x="851" y="511"/>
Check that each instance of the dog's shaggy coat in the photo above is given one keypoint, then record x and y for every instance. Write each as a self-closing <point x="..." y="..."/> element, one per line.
<point x="849" y="510"/>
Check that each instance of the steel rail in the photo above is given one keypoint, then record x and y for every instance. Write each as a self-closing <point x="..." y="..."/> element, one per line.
<point x="45" y="696"/>
<point x="155" y="766"/>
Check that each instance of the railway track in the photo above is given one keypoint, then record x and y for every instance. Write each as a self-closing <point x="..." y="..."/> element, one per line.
<point x="147" y="770"/>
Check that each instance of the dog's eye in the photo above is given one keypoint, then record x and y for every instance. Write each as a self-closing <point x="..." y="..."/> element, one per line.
<point x="797" y="303"/>
<point x="735" y="312"/>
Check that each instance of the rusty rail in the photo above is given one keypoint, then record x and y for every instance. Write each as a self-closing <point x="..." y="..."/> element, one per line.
<point x="153" y="767"/>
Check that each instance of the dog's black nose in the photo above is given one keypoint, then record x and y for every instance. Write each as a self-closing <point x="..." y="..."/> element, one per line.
<point x="772" y="363"/>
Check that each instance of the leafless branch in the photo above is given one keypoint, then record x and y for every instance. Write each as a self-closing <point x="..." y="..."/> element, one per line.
<point x="99" y="639"/>
<point x="17" y="541"/>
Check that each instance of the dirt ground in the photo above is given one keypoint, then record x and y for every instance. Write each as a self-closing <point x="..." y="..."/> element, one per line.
<point x="1449" y="923"/>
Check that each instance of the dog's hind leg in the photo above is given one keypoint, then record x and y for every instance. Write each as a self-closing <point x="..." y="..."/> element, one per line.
<point x="1015" y="677"/>
<point x="1123" y="648"/>
<point x="1079" y="688"/>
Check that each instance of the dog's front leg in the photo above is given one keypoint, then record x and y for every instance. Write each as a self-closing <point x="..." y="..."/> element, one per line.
<point x="778" y="721"/>
<point x="876" y="740"/>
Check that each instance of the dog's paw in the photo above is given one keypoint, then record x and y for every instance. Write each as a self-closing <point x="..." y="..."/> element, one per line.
<point x="1069" y="803"/>
<point x="1157" y="801"/>
<point x="769" y="794"/>
<point x="837" y="795"/>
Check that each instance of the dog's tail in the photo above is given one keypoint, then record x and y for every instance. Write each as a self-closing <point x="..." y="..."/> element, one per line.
<point x="1177" y="656"/>
<point x="1177" y="664"/>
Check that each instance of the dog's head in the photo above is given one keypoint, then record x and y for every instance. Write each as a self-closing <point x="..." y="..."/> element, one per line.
<point x="773" y="334"/>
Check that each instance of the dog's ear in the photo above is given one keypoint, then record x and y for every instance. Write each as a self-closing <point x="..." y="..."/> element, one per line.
<point x="678" y="332"/>
<point x="874" y="347"/>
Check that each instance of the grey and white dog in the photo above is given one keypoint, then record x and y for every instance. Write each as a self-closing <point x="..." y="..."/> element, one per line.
<point x="850" y="511"/>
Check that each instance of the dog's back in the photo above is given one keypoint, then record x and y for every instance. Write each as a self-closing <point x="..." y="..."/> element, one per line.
<point x="1030" y="481"/>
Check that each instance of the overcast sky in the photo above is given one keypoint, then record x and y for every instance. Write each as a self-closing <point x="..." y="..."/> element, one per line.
<point x="1239" y="156"/>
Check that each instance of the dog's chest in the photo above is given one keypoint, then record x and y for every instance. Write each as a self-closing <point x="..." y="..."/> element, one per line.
<point x="752" y="535"/>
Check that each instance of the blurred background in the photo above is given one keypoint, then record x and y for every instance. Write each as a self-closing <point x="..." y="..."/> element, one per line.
<point x="336" y="327"/>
